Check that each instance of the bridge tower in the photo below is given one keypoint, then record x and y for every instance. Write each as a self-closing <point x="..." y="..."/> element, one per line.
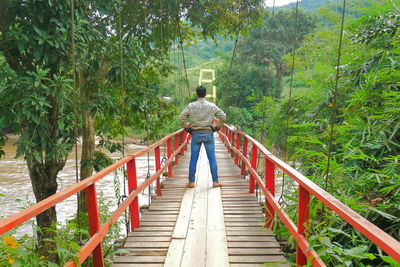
<point x="203" y="80"/>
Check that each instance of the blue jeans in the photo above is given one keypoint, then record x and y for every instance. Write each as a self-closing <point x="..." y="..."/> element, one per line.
<point x="208" y="140"/>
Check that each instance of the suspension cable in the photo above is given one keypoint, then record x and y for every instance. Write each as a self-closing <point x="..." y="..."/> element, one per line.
<point x="289" y="106"/>
<point x="74" y="87"/>
<point x="263" y="118"/>
<point x="183" y="56"/>
<point x="334" y="107"/>
<point x="234" y="52"/>
<point x="122" y="121"/>
<point x="273" y="10"/>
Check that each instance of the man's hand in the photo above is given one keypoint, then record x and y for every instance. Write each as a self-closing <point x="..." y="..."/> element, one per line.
<point x="215" y="128"/>
<point x="188" y="130"/>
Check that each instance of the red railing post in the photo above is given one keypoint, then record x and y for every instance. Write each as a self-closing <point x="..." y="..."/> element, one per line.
<point x="158" y="167"/>
<point x="221" y="131"/>
<point x="270" y="185"/>
<point x="183" y="140"/>
<point x="254" y="166"/>
<point x="227" y="133"/>
<point x="176" y="147"/>
<point x="132" y="186"/>
<point x="245" y="142"/>
<point x="94" y="223"/>
<point x="237" y="147"/>
<point x="303" y="217"/>
<point x="169" y="153"/>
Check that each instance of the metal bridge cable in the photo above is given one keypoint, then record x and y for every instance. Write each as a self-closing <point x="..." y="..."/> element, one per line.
<point x="122" y="121"/>
<point x="334" y="108"/>
<point x="161" y="42"/>
<point x="290" y="95"/>
<point x="228" y="80"/>
<point x="74" y="87"/>
<point x="234" y="52"/>
<point x="121" y="52"/>
<point x="183" y="55"/>
<point x="273" y="10"/>
<point x="263" y="119"/>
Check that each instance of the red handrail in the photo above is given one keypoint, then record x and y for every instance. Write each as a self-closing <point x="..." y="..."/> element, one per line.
<point x="97" y="232"/>
<point x="306" y="187"/>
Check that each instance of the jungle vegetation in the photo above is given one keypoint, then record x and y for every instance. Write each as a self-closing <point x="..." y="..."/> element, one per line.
<point x="364" y="169"/>
<point x="36" y="94"/>
<point x="121" y="55"/>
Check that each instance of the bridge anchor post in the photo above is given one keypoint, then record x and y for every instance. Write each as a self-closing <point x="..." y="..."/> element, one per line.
<point x="132" y="186"/>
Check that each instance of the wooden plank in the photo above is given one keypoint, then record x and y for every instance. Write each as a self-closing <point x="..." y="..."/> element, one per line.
<point x="259" y="265"/>
<point x="245" y="224"/>
<point x="260" y="232"/>
<point x="257" y="259"/>
<point x="272" y="244"/>
<point x="182" y="222"/>
<point x="140" y="259"/>
<point x="148" y="238"/>
<point x="241" y="208"/>
<point x="254" y="251"/>
<point x="165" y="233"/>
<point x="251" y="216"/>
<point x="136" y="265"/>
<point x="158" y="224"/>
<point x="147" y="252"/>
<point x="241" y="212"/>
<point x="236" y="238"/>
<point x="161" y="212"/>
<point x="158" y="218"/>
<point x="175" y="252"/>
<point x="154" y="229"/>
<point x="217" y="247"/>
<point x="195" y="245"/>
<point x="146" y="244"/>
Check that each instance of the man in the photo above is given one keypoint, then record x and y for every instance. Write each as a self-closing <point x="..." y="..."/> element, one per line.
<point x="201" y="115"/>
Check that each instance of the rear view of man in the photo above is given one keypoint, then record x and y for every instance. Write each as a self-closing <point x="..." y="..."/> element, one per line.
<point x="201" y="115"/>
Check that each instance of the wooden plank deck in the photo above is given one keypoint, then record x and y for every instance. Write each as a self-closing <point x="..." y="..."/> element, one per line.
<point x="203" y="226"/>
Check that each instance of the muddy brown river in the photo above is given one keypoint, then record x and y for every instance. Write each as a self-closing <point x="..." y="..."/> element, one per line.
<point x="16" y="189"/>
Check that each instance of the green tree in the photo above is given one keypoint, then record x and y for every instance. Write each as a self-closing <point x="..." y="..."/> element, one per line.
<point x="261" y="56"/>
<point x="35" y="97"/>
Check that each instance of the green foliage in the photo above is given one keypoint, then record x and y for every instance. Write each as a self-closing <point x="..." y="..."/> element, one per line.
<point x="364" y="164"/>
<point x="22" y="251"/>
<point x="260" y="53"/>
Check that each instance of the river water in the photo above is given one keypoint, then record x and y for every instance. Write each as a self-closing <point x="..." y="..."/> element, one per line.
<point x="16" y="189"/>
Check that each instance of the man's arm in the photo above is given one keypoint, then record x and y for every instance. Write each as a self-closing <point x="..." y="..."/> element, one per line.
<point x="184" y="117"/>
<point x="221" y="116"/>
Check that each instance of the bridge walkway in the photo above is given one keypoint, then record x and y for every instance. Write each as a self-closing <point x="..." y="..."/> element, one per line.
<point x="203" y="226"/>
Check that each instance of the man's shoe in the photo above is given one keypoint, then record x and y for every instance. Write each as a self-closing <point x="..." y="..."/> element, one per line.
<point x="190" y="185"/>
<point x="217" y="184"/>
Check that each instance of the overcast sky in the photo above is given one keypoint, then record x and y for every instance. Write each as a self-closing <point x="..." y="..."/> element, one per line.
<point x="278" y="2"/>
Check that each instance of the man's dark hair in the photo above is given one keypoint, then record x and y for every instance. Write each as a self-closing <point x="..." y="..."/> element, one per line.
<point x="201" y="91"/>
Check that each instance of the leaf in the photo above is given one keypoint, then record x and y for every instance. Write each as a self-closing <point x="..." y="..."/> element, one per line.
<point x="391" y="261"/>
<point x="357" y="252"/>
<point x="339" y="231"/>
<point x="383" y="214"/>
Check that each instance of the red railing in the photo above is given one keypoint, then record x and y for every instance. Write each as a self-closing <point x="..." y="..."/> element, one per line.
<point x="97" y="231"/>
<point x="233" y="140"/>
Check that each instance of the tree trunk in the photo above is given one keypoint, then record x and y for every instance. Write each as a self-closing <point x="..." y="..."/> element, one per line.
<point x="280" y="68"/>
<point x="88" y="144"/>
<point x="44" y="183"/>
<point x="88" y="137"/>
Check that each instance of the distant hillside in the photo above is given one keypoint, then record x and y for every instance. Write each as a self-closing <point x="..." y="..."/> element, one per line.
<point x="201" y="52"/>
<point x="311" y="4"/>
